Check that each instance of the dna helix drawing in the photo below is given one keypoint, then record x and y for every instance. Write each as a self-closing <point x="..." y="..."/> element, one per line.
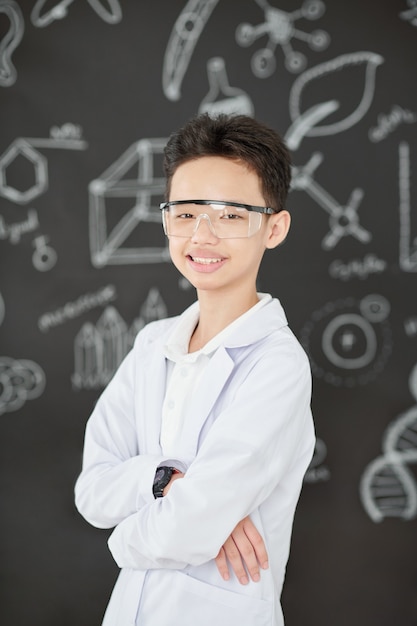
<point x="388" y="487"/>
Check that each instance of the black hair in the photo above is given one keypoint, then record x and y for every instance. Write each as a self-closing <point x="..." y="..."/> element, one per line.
<point x="236" y="137"/>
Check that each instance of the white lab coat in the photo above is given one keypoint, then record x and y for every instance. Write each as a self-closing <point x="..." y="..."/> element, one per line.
<point x="248" y="440"/>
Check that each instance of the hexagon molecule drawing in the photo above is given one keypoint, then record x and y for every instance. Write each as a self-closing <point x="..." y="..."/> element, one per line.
<point x="280" y="28"/>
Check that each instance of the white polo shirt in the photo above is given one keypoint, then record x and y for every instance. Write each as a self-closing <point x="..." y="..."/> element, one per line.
<point x="184" y="370"/>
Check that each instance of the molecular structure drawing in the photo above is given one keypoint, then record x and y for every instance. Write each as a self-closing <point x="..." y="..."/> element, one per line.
<point x="280" y="28"/>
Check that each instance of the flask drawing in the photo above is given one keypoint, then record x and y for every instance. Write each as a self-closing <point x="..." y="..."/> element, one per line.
<point x="221" y="97"/>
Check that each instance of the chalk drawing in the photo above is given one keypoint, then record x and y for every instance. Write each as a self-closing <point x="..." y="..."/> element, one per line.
<point x="343" y="220"/>
<point x="408" y="242"/>
<point x="99" y="349"/>
<point x="279" y="26"/>
<point x="44" y="256"/>
<point x="27" y="148"/>
<point x="106" y="246"/>
<point x="367" y="61"/>
<point x="10" y="41"/>
<point x="75" y="309"/>
<point x="388" y="123"/>
<point x="410" y="326"/>
<point x="13" y="232"/>
<point x="387" y="487"/>
<point x="349" y="342"/>
<point x="222" y="98"/>
<point x="20" y="380"/>
<point x="182" y="41"/>
<point x="317" y="472"/>
<point x="410" y="15"/>
<point x="111" y="15"/>
<point x="357" y="268"/>
<point x="2" y="309"/>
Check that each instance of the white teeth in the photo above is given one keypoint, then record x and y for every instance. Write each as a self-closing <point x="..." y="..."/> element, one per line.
<point x="205" y="261"/>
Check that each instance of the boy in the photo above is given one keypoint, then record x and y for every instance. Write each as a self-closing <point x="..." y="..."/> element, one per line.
<point x="197" y="449"/>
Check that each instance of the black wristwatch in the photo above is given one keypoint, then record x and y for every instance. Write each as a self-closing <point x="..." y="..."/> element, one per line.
<point x="162" y="477"/>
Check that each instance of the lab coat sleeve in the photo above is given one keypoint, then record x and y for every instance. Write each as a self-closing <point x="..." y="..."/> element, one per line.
<point x="116" y="479"/>
<point x="249" y="450"/>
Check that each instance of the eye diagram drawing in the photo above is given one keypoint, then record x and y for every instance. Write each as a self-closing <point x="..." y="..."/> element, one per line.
<point x="10" y="41"/>
<point x="26" y="148"/>
<point x="222" y="98"/>
<point x="279" y="26"/>
<point x="20" y="380"/>
<point x="317" y="472"/>
<point x="318" y="79"/>
<point x="349" y="342"/>
<point x="135" y="196"/>
<point x="408" y="242"/>
<point x="410" y="15"/>
<point x="99" y="349"/>
<point x="111" y="15"/>
<point x="343" y="220"/>
<point x="183" y="39"/>
<point x="388" y="488"/>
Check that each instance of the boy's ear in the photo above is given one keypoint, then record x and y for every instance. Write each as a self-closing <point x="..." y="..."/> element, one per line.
<point x="278" y="227"/>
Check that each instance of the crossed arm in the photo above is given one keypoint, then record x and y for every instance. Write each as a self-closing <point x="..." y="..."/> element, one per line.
<point x="244" y="549"/>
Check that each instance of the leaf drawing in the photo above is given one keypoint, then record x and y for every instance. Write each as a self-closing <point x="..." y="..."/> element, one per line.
<point x="364" y="61"/>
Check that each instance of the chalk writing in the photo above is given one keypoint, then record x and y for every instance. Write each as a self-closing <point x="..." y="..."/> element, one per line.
<point x="280" y="28"/>
<point x="75" y="309"/>
<point x="388" y="488"/>
<point x="388" y="123"/>
<point x="357" y="268"/>
<point x="13" y="232"/>
<point x="20" y="380"/>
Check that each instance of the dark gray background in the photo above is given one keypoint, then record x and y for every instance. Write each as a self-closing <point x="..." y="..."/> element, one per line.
<point x="83" y="77"/>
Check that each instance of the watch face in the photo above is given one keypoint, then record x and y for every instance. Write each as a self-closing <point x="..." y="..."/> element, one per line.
<point x="159" y="474"/>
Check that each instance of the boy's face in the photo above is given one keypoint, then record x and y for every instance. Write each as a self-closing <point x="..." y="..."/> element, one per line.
<point x="211" y="263"/>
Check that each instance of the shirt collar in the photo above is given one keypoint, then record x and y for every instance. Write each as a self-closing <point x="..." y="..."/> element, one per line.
<point x="176" y="347"/>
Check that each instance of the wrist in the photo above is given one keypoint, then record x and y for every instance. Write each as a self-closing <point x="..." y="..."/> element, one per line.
<point x="163" y="476"/>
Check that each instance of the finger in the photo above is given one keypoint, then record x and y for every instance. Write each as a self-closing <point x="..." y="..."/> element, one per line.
<point x="247" y="552"/>
<point x="256" y="541"/>
<point x="221" y="563"/>
<point x="234" y="557"/>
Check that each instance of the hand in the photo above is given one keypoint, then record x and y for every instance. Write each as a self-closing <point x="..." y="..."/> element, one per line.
<point x="245" y="551"/>
<point x="174" y="477"/>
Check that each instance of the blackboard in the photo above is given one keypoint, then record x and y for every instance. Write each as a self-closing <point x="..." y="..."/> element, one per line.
<point x="89" y="92"/>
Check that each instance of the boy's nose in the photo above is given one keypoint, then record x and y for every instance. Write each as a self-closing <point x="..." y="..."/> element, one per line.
<point x="207" y="229"/>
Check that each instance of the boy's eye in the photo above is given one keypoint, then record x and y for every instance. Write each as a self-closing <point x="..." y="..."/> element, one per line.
<point x="185" y="216"/>
<point x="232" y="216"/>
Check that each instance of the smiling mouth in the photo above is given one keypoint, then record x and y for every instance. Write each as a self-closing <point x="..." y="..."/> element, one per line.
<point x="204" y="260"/>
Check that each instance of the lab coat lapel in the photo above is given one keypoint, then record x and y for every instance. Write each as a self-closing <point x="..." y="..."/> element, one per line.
<point x="217" y="372"/>
<point x="150" y="399"/>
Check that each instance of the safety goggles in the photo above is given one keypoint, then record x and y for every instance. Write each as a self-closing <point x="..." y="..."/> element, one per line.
<point x="226" y="220"/>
